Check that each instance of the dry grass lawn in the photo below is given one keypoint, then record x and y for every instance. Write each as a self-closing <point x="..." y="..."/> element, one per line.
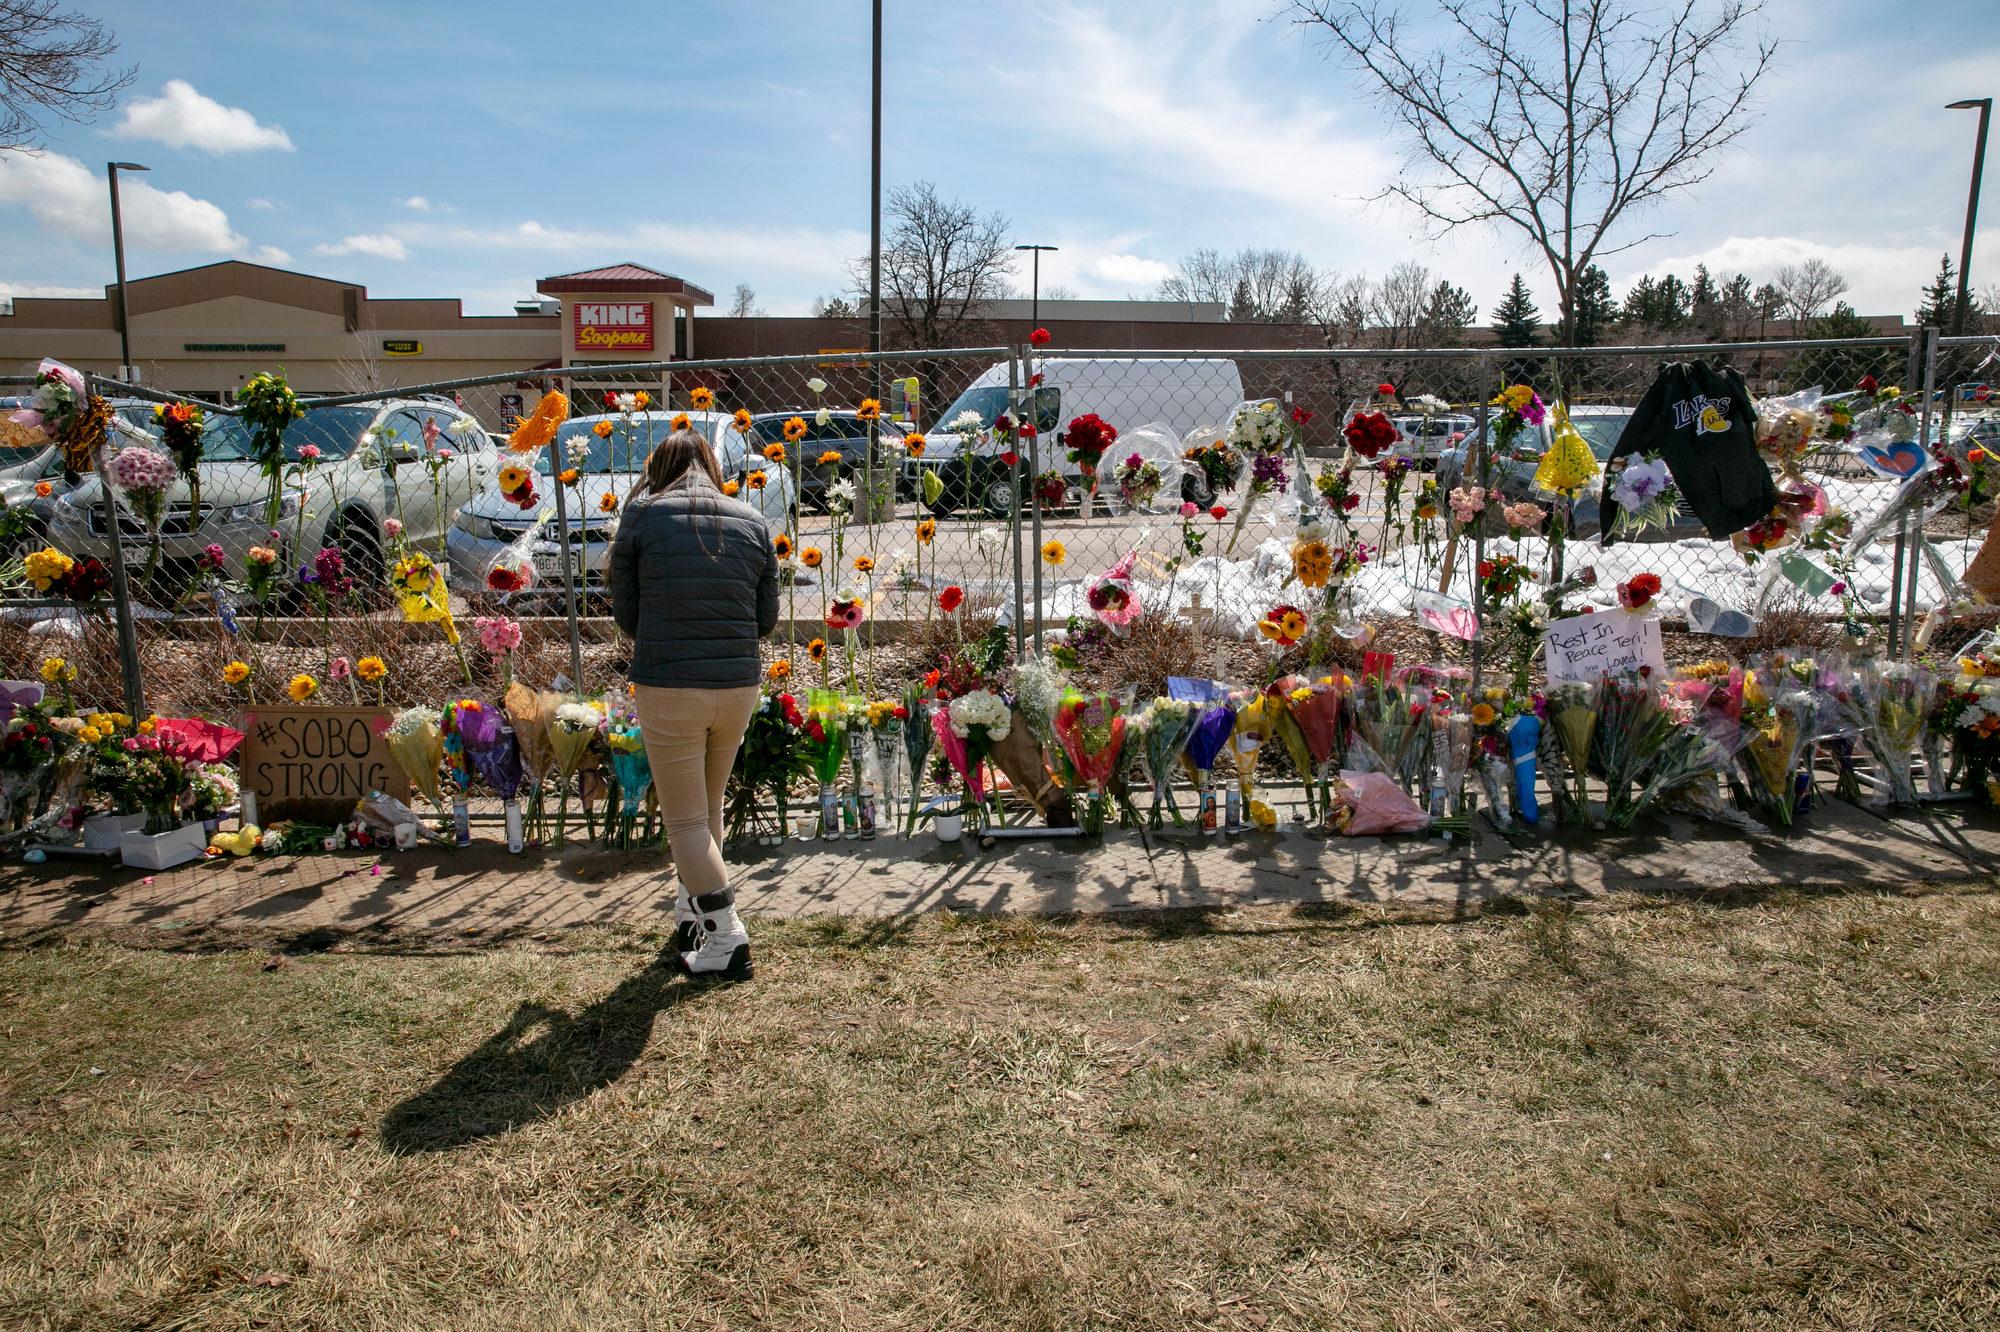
<point x="1776" y="1115"/>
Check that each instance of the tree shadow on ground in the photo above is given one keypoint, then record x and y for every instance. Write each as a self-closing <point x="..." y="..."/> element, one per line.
<point x="540" y="1061"/>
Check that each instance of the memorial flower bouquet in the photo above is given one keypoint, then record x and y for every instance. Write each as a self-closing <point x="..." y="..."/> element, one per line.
<point x="1318" y="710"/>
<point x="1221" y="466"/>
<point x="1092" y="731"/>
<point x="267" y="406"/>
<point x="1885" y="708"/>
<point x="416" y="744"/>
<point x="1780" y="720"/>
<point x="1572" y="719"/>
<point x="494" y="753"/>
<point x="144" y="475"/>
<point x="1644" y="492"/>
<point x="574" y="724"/>
<point x="1165" y="723"/>
<point x="1139" y="480"/>
<point x="1206" y="740"/>
<point x="824" y="744"/>
<point x="918" y="733"/>
<point x="1257" y="428"/>
<point x="773" y="755"/>
<point x="969" y="727"/>
<point x="1088" y="439"/>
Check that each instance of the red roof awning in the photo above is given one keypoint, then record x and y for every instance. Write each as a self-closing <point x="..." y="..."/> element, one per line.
<point x="623" y="277"/>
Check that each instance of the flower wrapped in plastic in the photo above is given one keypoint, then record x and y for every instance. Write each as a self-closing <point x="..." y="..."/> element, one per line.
<point x="1644" y="491"/>
<point x="1114" y="598"/>
<point x="144" y="475"/>
<point x="423" y="598"/>
<point x="494" y="753"/>
<point x="1780" y="721"/>
<point x="530" y="717"/>
<point x="976" y="721"/>
<point x="1166" y="725"/>
<point x="1207" y="738"/>
<point x="918" y="734"/>
<point x="1092" y="731"/>
<point x="825" y="748"/>
<point x="1369" y="804"/>
<point x="1887" y="705"/>
<point x="771" y="756"/>
<point x="1573" y="720"/>
<point x="1567" y="465"/>
<point x="574" y="724"/>
<point x="631" y="774"/>
<point x="1451" y="762"/>
<point x="1318" y="709"/>
<point x="1256" y="723"/>
<point x="416" y="744"/>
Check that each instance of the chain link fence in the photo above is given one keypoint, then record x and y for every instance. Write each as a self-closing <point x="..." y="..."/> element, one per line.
<point x="955" y="486"/>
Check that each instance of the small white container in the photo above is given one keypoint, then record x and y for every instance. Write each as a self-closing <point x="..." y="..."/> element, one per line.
<point x="106" y="832"/>
<point x="950" y="827"/>
<point x="158" y="851"/>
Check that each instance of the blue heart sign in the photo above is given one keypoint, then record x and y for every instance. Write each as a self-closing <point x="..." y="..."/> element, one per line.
<point x="1899" y="461"/>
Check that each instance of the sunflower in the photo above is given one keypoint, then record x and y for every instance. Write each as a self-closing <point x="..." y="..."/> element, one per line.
<point x="810" y="556"/>
<point x="569" y="476"/>
<point x="830" y="458"/>
<point x="371" y="669"/>
<point x="869" y="410"/>
<point x="774" y="452"/>
<point x="915" y="444"/>
<point x="1483" y="714"/>
<point x="301" y="688"/>
<point x="817" y="649"/>
<point x="1054" y="552"/>
<point x="236" y="672"/>
<point x="607" y="503"/>
<point x="795" y="429"/>
<point x="782" y="544"/>
<point x="741" y="421"/>
<point x="779" y="670"/>
<point x="731" y="488"/>
<point x="926" y="529"/>
<point x="864" y="564"/>
<point x="1312" y="563"/>
<point x="680" y="423"/>
<point x="756" y="480"/>
<point x="702" y="399"/>
<point x="602" y="429"/>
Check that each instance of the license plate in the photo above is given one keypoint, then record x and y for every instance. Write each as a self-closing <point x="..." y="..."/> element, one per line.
<point x="549" y="568"/>
<point x="137" y="555"/>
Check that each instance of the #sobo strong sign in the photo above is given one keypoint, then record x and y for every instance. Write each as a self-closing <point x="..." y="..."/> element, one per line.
<point x="613" y="326"/>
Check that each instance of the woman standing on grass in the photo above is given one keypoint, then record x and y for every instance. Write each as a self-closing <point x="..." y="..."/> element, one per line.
<point x="694" y="583"/>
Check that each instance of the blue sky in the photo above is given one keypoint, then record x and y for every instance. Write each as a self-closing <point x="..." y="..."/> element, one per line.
<point x="459" y="149"/>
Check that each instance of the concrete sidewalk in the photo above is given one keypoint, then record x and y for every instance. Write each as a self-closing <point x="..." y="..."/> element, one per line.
<point x="483" y="894"/>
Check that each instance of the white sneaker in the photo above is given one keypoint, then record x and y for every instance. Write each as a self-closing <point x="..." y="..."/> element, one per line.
<point x="724" y="945"/>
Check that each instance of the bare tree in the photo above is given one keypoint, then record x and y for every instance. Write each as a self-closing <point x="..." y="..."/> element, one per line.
<point x="361" y="370"/>
<point x="1057" y="291"/>
<point x="1808" y="288"/>
<point x="942" y="265"/>
<point x="52" y="68"/>
<point x="1261" y="286"/>
<point x="1557" y="120"/>
<point x="1396" y="305"/>
<point x="743" y="302"/>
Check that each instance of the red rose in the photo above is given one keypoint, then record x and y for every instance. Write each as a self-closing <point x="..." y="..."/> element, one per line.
<point x="1029" y="432"/>
<point x="1300" y="415"/>
<point x="1218" y="513"/>
<point x="1385" y="390"/>
<point x="1867" y="384"/>
<point x="1040" y="337"/>
<point x="1369" y="433"/>
<point x="1486" y="568"/>
<point x="610" y="398"/>
<point x="902" y="713"/>
<point x="1035" y="380"/>
<point x="951" y="598"/>
<point x="1010" y="458"/>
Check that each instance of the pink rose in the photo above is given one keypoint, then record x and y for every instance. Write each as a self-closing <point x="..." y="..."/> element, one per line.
<point x="1189" y="509"/>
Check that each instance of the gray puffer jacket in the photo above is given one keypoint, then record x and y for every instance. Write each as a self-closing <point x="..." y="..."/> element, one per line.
<point x="694" y="582"/>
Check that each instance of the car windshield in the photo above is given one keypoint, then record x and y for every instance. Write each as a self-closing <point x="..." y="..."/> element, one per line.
<point x="334" y="431"/>
<point x="1599" y="432"/>
<point x="624" y="450"/>
<point x="986" y="403"/>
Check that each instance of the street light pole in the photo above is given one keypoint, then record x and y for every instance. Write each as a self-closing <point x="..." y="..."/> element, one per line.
<point x="1985" y="107"/>
<point x="1035" y="286"/>
<point x="874" y="264"/>
<point x="111" y="170"/>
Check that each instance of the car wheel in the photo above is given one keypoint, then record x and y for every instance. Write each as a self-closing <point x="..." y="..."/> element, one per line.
<point x="999" y="502"/>
<point x="362" y="550"/>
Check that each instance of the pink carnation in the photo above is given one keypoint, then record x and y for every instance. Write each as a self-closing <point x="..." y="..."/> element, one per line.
<point x="499" y="635"/>
<point x="339" y="669"/>
<point x="1468" y="502"/>
<point x="392" y="527"/>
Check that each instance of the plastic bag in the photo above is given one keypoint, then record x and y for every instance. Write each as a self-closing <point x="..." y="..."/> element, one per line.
<point x="1145" y="471"/>
<point x="1368" y="804"/>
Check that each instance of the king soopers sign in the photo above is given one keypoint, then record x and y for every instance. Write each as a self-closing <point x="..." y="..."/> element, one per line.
<point x="620" y="326"/>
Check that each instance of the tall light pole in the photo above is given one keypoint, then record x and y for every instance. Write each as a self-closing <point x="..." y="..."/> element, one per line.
<point x="1985" y="106"/>
<point x="874" y="262"/>
<point x="111" y="170"/>
<point x="1035" y="286"/>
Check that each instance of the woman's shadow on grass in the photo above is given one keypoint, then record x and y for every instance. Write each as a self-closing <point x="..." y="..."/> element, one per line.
<point x="536" y="1064"/>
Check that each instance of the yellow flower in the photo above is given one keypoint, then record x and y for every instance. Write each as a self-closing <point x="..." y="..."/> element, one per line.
<point x="680" y="423"/>
<point x="569" y="476"/>
<point x="1301" y="695"/>
<point x="829" y="458"/>
<point x="756" y="480"/>
<point x="56" y="671"/>
<point x="774" y="452"/>
<point x="513" y="478"/>
<point x="90" y="735"/>
<point x="147" y="727"/>
<point x="608" y="502"/>
<point x="642" y="399"/>
<point x="1483" y="714"/>
<point x="864" y="564"/>
<point x="702" y="399"/>
<point x="1293" y="624"/>
<point x="301" y="688"/>
<point x="926" y="529"/>
<point x="371" y="669"/>
<point x="795" y="429"/>
<point x="1312" y="563"/>
<point x="869" y="410"/>
<point x="1054" y="552"/>
<point x="730" y="488"/>
<point x="779" y="669"/>
<point x="811" y="556"/>
<point x="880" y="711"/>
<point x="46" y="565"/>
<point x="914" y="443"/>
<point x="602" y="429"/>
<point x="817" y="649"/>
<point x="741" y="421"/>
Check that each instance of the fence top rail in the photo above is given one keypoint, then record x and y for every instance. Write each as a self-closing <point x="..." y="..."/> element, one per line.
<point x="1971" y="340"/>
<point x="1467" y="353"/>
<point x="105" y="386"/>
<point x="812" y="360"/>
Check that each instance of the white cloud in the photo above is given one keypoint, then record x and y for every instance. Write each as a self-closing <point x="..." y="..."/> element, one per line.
<point x="380" y="245"/>
<point x="260" y="204"/>
<point x="417" y="202"/>
<point x="181" y="117"/>
<point x="270" y="254"/>
<point x="1129" y="272"/>
<point x="68" y="200"/>
<point x="11" y="289"/>
<point x="1884" y="278"/>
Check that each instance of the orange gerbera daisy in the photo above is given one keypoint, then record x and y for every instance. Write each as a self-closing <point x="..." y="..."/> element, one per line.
<point x="779" y="669"/>
<point x="680" y="423"/>
<point x="730" y="488"/>
<point x="756" y="480"/>
<point x="795" y="429"/>
<point x="829" y="458"/>
<point x="864" y="564"/>
<point x="774" y="452"/>
<point x="702" y="399"/>
<point x="607" y="503"/>
<point x="602" y="429"/>
<point x="926" y="529"/>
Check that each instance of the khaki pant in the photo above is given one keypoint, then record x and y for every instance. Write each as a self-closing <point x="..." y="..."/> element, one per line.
<point x="691" y="740"/>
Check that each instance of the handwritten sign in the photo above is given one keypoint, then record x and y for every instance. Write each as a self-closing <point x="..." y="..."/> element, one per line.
<point x="1585" y="647"/>
<point x="315" y="763"/>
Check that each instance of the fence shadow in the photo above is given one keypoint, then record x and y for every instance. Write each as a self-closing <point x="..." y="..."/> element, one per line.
<point x="541" y="1060"/>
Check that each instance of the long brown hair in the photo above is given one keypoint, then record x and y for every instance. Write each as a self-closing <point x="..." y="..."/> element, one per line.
<point x="673" y="457"/>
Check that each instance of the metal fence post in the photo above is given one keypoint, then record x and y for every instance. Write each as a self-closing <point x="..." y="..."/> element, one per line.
<point x="1014" y="401"/>
<point x="1030" y="417"/>
<point x="1479" y="460"/>
<point x="1893" y="637"/>
<point x="568" y="569"/>
<point x="121" y="592"/>
<point x="1916" y="522"/>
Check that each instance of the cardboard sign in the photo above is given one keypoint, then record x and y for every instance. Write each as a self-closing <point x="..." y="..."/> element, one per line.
<point x="315" y="763"/>
<point x="614" y="326"/>
<point x="1585" y="647"/>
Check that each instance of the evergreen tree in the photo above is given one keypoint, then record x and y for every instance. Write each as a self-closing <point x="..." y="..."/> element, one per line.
<point x="1516" y="322"/>
<point x="1705" y="310"/>
<point x="1242" y="308"/>
<point x="1595" y="311"/>
<point x="1940" y="298"/>
<point x="1661" y="306"/>
<point x="1448" y="313"/>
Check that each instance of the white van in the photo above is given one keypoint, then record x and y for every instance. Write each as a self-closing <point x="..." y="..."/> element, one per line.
<point x="1126" y="391"/>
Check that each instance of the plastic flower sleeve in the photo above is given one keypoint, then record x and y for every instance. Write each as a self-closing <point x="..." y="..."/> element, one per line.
<point x="1205" y="743"/>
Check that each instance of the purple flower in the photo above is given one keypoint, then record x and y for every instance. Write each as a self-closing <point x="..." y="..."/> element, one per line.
<point x="1267" y="469"/>
<point x="1535" y="411"/>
